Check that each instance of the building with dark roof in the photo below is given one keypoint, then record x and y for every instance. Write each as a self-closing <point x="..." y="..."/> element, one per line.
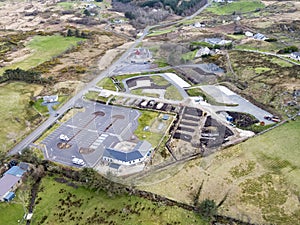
<point x="136" y="155"/>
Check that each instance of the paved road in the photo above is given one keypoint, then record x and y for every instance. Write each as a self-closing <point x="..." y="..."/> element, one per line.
<point x="52" y="119"/>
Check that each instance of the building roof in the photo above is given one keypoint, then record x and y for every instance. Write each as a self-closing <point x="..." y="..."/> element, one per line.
<point x="24" y="166"/>
<point x="297" y="54"/>
<point x="9" y="196"/>
<point x="7" y="182"/>
<point x="213" y="41"/>
<point x="50" y="98"/>
<point x="259" y="36"/>
<point x="15" y="171"/>
<point x="138" y="152"/>
<point x="122" y="156"/>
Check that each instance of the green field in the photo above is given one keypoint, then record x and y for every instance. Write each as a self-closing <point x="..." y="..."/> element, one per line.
<point x="107" y="83"/>
<point x="241" y="6"/>
<point x="15" y="111"/>
<point x="10" y="213"/>
<point x="62" y="204"/>
<point x="43" y="48"/>
<point x="173" y="93"/>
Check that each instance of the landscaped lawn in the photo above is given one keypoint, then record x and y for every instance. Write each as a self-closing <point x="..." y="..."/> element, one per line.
<point x="62" y="204"/>
<point x="44" y="48"/>
<point x="241" y="6"/>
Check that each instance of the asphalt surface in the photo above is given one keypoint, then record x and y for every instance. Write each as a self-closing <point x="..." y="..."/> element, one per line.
<point x="181" y="91"/>
<point x="98" y="127"/>
<point x="52" y="119"/>
<point x="232" y="98"/>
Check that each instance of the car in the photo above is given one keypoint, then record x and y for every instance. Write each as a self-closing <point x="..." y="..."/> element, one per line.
<point x="268" y="117"/>
<point x="78" y="161"/>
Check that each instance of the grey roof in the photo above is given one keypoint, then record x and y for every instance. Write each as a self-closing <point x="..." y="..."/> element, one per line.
<point x="259" y="36"/>
<point x="138" y="152"/>
<point x="122" y="156"/>
<point x="213" y="41"/>
<point x="296" y="54"/>
<point x="24" y="166"/>
<point x="7" y="182"/>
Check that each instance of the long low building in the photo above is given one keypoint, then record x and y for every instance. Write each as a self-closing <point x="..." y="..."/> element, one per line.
<point x="131" y="157"/>
<point x="11" y="179"/>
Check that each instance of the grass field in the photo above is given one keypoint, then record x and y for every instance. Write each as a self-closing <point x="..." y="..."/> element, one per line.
<point x="144" y="93"/>
<point x="173" y="93"/>
<point x="62" y="204"/>
<point x="10" y="213"/>
<point x="15" y="111"/>
<point x="241" y="6"/>
<point x="260" y="177"/>
<point x="107" y="83"/>
<point x="43" y="48"/>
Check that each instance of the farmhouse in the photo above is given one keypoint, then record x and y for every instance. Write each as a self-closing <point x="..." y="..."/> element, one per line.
<point x="295" y="55"/>
<point x="51" y="98"/>
<point x="217" y="41"/>
<point x="10" y="181"/>
<point x="259" y="36"/>
<point x="136" y="155"/>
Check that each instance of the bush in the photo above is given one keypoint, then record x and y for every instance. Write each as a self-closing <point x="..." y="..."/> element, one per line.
<point x="207" y="208"/>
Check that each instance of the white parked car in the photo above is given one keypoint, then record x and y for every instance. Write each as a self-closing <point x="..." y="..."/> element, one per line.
<point x="77" y="161"/>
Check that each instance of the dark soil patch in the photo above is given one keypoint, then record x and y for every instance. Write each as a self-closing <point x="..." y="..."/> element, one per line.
<point x="184" y="137"/>
<point x="190" y="118"/>
<point x="188" y="124"/>
<point x="218" y="133"/>
<point x="63" y="145"/>
<point x="86" y="150"/>
<point x="242" y="119"/>
<point x="193" y="111"/>
<point x="186" y="129"/>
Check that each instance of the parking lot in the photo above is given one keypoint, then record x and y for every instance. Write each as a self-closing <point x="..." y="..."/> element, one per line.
<point x="89" y="132"/>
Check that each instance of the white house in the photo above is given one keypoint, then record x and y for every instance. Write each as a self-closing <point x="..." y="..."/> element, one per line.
<point x="50" y="98"/>
<point x="295" y="55"/>
<point x="259" y="36"/>
<point x="248" y="34"/>
<point x="136" y="155"/>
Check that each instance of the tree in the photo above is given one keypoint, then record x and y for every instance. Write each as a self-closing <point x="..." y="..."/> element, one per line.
<point x="207" y="209"/>
<point x="69" y="33"/>
<point x="86" y="12"/>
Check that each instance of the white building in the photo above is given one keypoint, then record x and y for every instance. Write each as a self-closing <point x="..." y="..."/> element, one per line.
<point x="295" y="55"/>
<point x="138" y="154"/>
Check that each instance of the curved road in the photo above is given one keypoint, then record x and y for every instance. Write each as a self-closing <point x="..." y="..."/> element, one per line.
<point x="52" y="119"/>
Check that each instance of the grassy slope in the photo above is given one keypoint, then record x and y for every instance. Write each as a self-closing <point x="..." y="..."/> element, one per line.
<point x="107" y="83"/>
<point x="128" y="209"/>
<point x="236" y="6"/>
<point x="14" y="103"/>
<point x="260" y="175"/>
<point x="43" y="49"/>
